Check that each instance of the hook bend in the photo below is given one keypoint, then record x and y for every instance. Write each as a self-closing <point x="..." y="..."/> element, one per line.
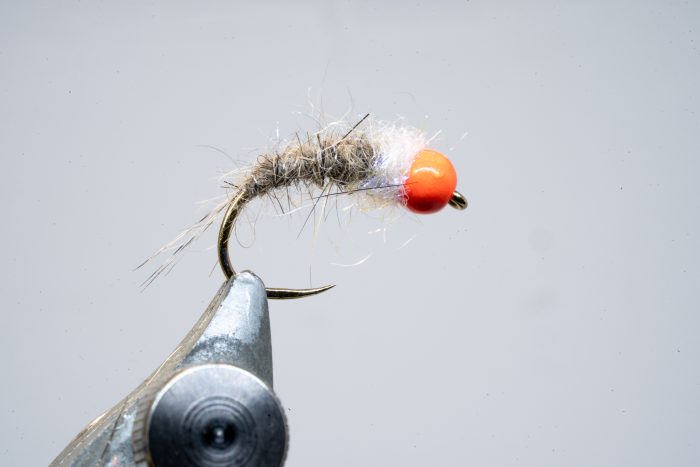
<point x="232" y="212"/>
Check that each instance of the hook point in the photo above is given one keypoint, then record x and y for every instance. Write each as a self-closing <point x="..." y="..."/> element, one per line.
<point x="288" y="294"/>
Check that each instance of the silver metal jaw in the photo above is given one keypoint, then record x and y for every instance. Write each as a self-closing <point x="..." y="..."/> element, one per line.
<point x="209" y="403"/>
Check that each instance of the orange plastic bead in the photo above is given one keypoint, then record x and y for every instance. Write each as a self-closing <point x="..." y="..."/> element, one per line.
<point x="431" y="182"/>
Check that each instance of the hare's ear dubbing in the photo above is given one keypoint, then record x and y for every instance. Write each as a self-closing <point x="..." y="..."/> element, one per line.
<point x="381" y="163"/>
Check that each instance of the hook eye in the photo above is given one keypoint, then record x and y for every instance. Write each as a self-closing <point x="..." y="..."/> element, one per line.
<point x="458" y="201"/>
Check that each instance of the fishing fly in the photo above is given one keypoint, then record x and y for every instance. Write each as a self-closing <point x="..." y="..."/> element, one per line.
<point x="383" y="163"/>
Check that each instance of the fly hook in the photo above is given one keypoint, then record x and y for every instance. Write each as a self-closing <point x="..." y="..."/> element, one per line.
<point x="458" y="201"/>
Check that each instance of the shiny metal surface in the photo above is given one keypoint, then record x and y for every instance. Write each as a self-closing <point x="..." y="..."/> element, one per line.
<point x="234" y="329"/>
<point x="458" y="201"/>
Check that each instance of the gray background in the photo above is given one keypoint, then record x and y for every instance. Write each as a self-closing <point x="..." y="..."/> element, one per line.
<point x="555" y="322"/>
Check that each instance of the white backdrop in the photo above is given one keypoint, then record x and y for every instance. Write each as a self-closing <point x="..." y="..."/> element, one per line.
<point x="553" y="323"/>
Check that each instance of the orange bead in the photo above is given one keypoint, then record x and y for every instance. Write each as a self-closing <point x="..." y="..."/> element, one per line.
<point x="431" y="182"/>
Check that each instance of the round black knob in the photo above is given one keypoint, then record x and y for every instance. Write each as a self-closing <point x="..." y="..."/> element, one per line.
<point x="214" y="415"/>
